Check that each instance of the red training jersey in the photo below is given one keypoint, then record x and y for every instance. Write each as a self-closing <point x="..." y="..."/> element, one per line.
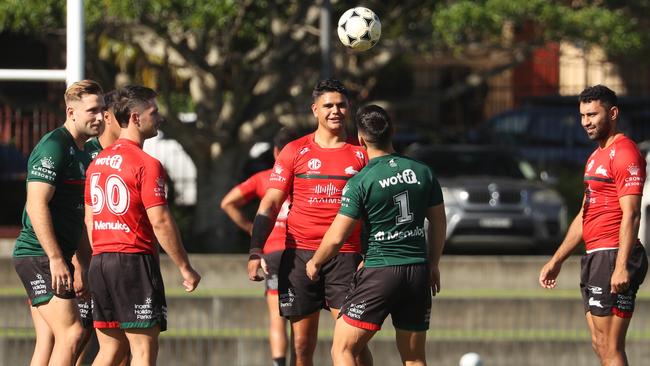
<point x="255" y="186"/>
<point x="611" y="173"/>
<point x="123" y="182"/>
<point x="314" y="177"/>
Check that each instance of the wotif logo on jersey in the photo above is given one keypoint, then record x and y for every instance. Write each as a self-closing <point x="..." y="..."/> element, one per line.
<point x="114" y="161"/>
<point x="406" y="176"/>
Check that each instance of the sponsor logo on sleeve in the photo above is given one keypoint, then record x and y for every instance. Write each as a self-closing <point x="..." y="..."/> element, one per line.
<point x="634" y="180"/>
<point x="612" y="153"/>
<point x="276" y="174"/>
<point x="303" y="151"/>
<point x="590" y="165"/>
<point x="350" y="170"/>
<point x="159" y="190"/>
<point x="45" y="169"/>
<point x="359" y="155"/>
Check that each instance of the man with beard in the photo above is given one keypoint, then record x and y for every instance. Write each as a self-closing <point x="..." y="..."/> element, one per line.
<point x="615" y="263"/>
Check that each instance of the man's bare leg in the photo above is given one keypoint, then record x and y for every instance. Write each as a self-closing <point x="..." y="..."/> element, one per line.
<point x="411" y="347"/>
<point x="277" y="328"/>
<point x="62" y="316"/>
<point x="44" y="340"/>
<point x="113" y="345"/>
<point x="144" y="345"/>
<point x="612" y="330"/>
<point x="364" y="356"/>
<point x="349" y="344"/>
<point x="305" y="337"/>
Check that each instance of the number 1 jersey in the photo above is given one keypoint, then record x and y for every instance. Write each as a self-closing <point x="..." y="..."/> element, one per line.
<point x="122" y="183"/>
<point x="392" y="195"/>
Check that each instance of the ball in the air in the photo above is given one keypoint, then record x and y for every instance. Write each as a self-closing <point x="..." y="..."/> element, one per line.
<point x="359" y="28"/>
<point x="471" y="359"/>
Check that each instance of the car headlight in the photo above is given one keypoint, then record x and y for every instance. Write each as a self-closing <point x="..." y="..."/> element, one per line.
<point x="546" y="197"/>
<point x="452" y="196"/>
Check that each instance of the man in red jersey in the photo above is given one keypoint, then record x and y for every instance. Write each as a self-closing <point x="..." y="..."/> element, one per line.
<point x="232" y="203"/>
<point x="313" y="170"/>
<point x="126" y="215"/>
<point x="615" y="263"/>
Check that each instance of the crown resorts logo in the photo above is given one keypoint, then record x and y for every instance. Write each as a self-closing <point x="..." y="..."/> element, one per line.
<point x="47" y="163"/>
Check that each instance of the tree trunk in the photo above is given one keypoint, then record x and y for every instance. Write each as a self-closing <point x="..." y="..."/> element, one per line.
<point x="213" y="231"/>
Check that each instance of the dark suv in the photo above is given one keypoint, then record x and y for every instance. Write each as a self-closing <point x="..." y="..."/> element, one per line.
<point x="493" y="200"/>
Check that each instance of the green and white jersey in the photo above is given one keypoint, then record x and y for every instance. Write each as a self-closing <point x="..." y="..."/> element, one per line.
<point x="392" y="194"/>
<point x="56" y="160"/>
<point x="92" y="147"/>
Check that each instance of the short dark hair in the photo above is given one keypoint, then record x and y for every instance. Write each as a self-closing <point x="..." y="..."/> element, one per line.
<point x="129" y="98"/>
<point x="328" y="86"/>
<point x="284" y="136"/>
<point x="110" y="99"/>
<point x="375" y="125"/>
<point x="599" y="92"/>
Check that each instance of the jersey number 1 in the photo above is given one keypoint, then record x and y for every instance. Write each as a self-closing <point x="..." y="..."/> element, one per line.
<point x="115" y="194"/>
<point x="402" y="202"/>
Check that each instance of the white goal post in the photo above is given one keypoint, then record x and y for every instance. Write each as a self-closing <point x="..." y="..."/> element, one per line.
<point x="74" y="70"/>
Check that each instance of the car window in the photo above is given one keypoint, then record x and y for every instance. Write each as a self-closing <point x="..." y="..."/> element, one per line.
<point x="454" y="163"/>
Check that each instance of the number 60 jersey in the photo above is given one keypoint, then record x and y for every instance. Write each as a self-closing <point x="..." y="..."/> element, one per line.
<point x="122" y="183"/>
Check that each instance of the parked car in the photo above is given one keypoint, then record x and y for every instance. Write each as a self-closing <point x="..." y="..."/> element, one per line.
<point x="547" y="131"/>
<point x="644" y="225"/>
<point x="494" y="200"/>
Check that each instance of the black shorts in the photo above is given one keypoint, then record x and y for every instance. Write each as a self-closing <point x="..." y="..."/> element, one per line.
<point x="34" y="273"/>
<point x="272" y="260"/>
<point x="595" y="278"/>
<point x="127" y="291"/>
<point x="300" y="296"/>
<point x="402" y="291"/>
<point x="85" y="312"/>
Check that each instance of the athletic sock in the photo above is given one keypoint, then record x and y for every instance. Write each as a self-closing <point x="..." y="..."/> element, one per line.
<point x="280" y="361"/>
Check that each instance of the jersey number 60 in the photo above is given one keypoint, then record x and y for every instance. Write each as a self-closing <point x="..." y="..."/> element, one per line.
<point x="115" y="194"/>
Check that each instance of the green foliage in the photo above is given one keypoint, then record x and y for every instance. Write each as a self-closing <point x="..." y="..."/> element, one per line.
<point x="27" y="16"/>
<point x="460" y="23"/>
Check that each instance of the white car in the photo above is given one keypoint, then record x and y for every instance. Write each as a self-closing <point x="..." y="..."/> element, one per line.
<point x="644" y="232"/>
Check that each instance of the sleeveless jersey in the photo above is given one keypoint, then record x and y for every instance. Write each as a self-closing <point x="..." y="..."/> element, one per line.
<point x="255" y="186"/>
<point x="123" y="182"/>
<point x="610" y="174"/>
<point x="314" y="177"/>
<point x="392" y="195"/>
<point x="57" y="161"/>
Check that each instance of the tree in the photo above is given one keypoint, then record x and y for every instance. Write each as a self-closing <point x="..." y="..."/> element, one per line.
<point x="243" y="66"/>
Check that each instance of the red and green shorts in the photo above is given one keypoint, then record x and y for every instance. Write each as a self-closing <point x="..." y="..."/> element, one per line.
<point x="127" y="291"/>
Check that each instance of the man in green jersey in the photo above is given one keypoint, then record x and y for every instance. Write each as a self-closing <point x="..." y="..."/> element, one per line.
<point x="393" y="195"/>
<point x="53" y="227"/>
<point x="110" y="130"/>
